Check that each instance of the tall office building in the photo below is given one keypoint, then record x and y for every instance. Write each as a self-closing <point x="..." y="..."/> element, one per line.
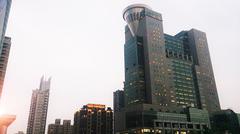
<point x="38" y="109"/>
<point x="118" y="101"/>
<point x="166" y="70"/>
<point x="4" y="60"/>
<point x="58" y="128"/>
<point x="93" y="119"/>
<point x="5" y="43"/>
<point x="4" y="13"/>
<point x="5" y="120"/>
<point x="164" y="74"/>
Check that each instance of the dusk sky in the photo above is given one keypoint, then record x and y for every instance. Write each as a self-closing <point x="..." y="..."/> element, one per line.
<point x="80" y="45"/>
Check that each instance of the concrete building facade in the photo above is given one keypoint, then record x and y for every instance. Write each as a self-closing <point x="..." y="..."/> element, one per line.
<point x="38" y="109"/>
<point x="58" y="128"/>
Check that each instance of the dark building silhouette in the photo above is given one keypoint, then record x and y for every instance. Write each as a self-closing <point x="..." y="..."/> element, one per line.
<point x="58" y="128"/>
<point x="118" y="100"/>
<point x="225" y="122"/>
<point x="169" y="81"/>
<point x="93" y="119"/>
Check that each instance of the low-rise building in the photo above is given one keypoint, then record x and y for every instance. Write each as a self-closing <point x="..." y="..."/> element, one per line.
<point x="20" y="132"/>
<point x="58" y="128"/>
<point x="225" y="122"/>
<point x="93" y="119"/>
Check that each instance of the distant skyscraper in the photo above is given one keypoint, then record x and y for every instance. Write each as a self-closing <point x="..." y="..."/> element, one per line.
<point x="118" y="100"/>
<point x="93" y="119"/>
<point x="118" y="103"/>
<point x="58" y="128"/>
<point x="38" y="109"/>
<point x="165" y="76"/>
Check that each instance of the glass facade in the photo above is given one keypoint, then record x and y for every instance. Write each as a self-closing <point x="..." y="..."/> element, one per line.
<point x="195" y="43"/>
<point x="152" y="122"/>
<point x="180" y="71"/>
<point x="161" y="69"/>
<point x="134" y="72"/>
<point x="225" y="121"/>
<point x="238" y="115"/>
<point x="198" y="115"/>
<point x="4" y="60"/>
<point x="5" y="42"/>
<point x="146" y="79"/>
<point x="147" y="118"/>
<point x="164" y="75"/>
<point x="118" y="100"/>
<point x="4" y="12"/>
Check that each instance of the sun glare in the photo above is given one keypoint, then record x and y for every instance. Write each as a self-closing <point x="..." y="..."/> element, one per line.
<point x="2" y="111"/>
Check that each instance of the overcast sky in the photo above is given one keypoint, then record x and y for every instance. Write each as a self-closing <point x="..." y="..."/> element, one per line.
<point x="80" y="44"/>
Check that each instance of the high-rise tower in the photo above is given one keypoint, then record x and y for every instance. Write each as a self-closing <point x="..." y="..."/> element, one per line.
<point x="4" y="13"/>
<point x="118" y="101"/>
<point x="146" y="79"/>
<point x="167" y="78"/>
<point x="166" y="70"/>
<point x="4" y="60"/>
<point x="38" y="109"/>
<point x="4" y="41"/>
<point x="5" y="44"/>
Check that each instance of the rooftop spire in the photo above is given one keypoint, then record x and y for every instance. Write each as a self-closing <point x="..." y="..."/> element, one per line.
<point x="45" y="84"/>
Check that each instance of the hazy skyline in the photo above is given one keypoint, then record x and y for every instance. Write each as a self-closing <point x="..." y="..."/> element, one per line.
<point x="80" y="44"/>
